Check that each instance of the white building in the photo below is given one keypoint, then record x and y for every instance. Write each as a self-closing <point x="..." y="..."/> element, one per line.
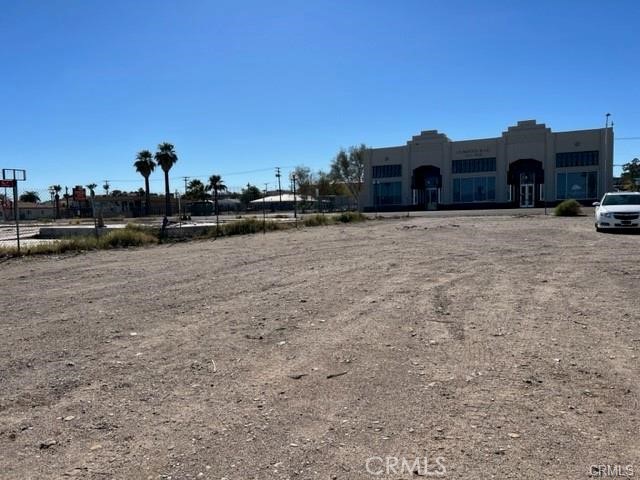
<point x="528" y="165"/>
<point x="27" y="211"/>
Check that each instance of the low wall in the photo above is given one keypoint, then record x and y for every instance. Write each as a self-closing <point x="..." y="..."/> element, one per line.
<point x="78" y="231"/>
<point x="174" y="231"/>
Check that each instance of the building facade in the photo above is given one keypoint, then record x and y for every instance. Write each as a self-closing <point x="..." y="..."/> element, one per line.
<point x="26" y="211"/>
<point x="527" y="166"/>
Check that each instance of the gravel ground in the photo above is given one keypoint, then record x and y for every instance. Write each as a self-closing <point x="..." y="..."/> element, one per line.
<point x="498" y="347"/>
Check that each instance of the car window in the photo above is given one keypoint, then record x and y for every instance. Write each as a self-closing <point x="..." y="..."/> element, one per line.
<point x="621" y="200"/>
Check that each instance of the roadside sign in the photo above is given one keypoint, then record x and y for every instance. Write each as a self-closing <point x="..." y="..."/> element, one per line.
<point x="14" y="174"/>
<point x="79" y="194"/>
<point x="18" y="175"/>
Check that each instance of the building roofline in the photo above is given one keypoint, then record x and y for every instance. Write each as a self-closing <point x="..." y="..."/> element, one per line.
<point x="433" y="136"/>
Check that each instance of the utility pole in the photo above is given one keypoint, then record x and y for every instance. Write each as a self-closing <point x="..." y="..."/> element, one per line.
<point x="185" y="207"/>
<point x="279" y="187"/>
<point x="295" y="206"/>
<point x="179" y="217"/>
<point x="264" y="211"/>
<point x="16" y="211"/>
<point x="606" y="154"/>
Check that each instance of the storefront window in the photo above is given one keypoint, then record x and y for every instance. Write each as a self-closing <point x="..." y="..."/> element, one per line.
<point x="382" y="171"/>
<point x="388" y="193"/>
<point x="578" y="185"/>
<point x="576" y="159"/>
<point x="472" y="165"/>
<point x="474" y="189"/>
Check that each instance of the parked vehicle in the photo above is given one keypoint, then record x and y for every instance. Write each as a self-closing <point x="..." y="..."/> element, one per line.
<point x="618" y="210"/>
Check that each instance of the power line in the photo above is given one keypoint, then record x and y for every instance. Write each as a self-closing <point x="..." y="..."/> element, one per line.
<point x="206" y="176"/>
<point x="246" y="172"/>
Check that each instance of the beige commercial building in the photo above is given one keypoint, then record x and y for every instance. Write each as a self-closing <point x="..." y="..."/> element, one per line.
<point x="527" y="166"/>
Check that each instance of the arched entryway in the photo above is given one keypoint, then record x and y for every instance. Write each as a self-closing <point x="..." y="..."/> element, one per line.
<point x="426" y="183"/>
<point x="526" y="182"/>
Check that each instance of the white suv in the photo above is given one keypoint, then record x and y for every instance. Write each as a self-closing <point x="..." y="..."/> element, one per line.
<point x="618" y="210"/>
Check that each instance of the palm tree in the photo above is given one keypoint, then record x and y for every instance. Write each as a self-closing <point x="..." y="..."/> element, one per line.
<point x="92" y="194"/>
<point x="195" y="191"/>
<point x="144" y="166"/>
<point x="30" y="196"/>
<point x="106" y="188"/>
<point x="92" y="189"/>
<point x="57" y="189"/>
<point x="166" y="157"/>
<point x="215" y="185"/>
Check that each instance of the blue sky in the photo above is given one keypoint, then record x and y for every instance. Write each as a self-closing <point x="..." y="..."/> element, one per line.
<point x="245" y="86"/>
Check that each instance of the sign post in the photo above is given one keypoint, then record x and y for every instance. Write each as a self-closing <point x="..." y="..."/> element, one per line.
<point x="17" y="176"/>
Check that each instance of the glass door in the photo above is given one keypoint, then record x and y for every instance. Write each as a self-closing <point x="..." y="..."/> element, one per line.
<point x="432" y="199"/>
<point x="527" y="190"/>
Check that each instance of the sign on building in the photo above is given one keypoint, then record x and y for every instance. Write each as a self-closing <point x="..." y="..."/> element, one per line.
<point x="79" y="194"/>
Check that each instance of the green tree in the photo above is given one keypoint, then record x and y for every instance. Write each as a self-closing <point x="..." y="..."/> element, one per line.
<point x="250" y="194"/>
<point x="327" y="185"/>
<point x="106" y="188"/>
<point x="145" y="165"/>
<point x="30" y="197"/>
<point x="348" y="167"/>
<point x="166" y="157"/>
<point x="215" y="186"/>
<point x="631" y="172"/>
<point x="304" y="181"/>
<point x="196" y="191"/>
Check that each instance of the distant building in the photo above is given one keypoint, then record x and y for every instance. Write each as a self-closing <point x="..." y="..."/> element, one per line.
<point x="526" y="166"/>
<point x="206" y="207"/>
<point x="285" y="201"/>
<point x="124" y="205"/>
<point x="27" y="211"/>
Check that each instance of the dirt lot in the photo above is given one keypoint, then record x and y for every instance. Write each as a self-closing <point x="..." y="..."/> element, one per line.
<point x="494" y="347"/>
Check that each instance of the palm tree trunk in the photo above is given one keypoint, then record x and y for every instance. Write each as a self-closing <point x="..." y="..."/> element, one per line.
<point x="167" y="203"/>
<point x="146" y="195"/>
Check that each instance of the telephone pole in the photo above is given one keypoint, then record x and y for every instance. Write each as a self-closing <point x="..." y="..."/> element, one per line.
<point x="264" y="211"/>
<point x="606" y="155"/>
<point x="295" y="207"/>
<point x="279" y="187"/>
<point x="185" y="207"/>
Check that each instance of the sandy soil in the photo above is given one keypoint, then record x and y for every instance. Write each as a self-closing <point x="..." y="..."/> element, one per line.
<point x="494" y="347"/>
